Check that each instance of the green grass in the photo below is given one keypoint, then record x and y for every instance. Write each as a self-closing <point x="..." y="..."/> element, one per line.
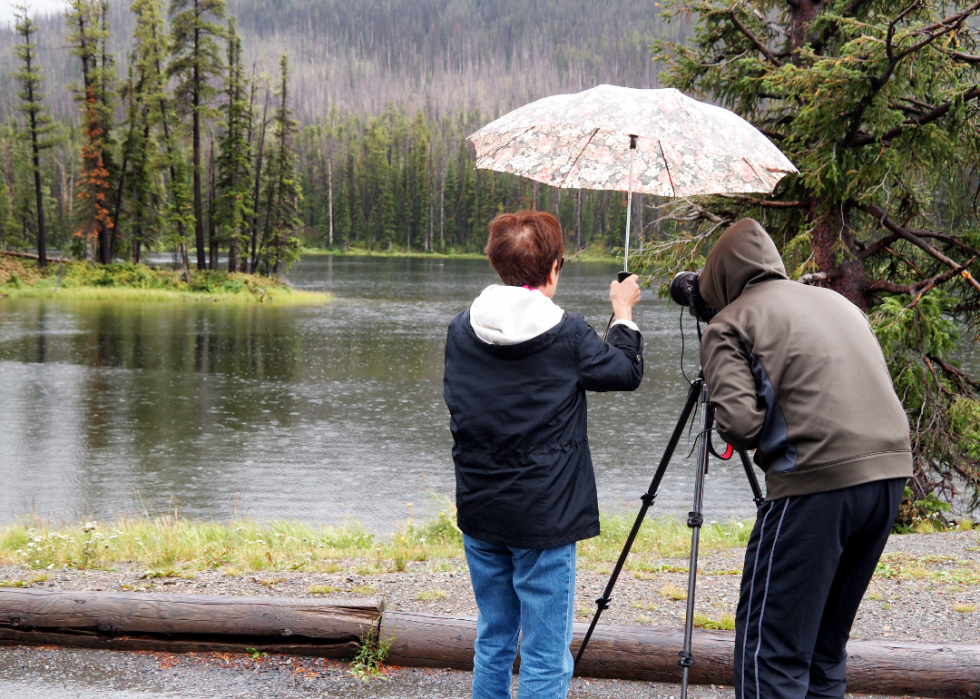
<point x="673" y="592"/>
<point x="80" y="281"/>
<point x="949" y="570"/>
<point x="726" y="623"/>
<point x="323" y="589"/>
<point x="168" y="546"/>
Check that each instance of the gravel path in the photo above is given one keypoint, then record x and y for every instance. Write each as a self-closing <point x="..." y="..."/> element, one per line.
<point x="927" y="588"/>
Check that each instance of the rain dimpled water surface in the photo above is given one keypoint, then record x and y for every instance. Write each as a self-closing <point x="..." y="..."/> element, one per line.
<point x="325" y="414"/>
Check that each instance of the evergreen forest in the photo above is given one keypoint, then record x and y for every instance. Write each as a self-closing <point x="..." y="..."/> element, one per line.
<point x="200" y="127"/>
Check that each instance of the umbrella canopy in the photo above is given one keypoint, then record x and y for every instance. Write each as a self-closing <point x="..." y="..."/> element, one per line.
<point x="582" y="141"/>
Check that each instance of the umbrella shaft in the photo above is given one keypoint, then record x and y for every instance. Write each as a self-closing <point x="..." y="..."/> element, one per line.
<point x="629" y="214"/>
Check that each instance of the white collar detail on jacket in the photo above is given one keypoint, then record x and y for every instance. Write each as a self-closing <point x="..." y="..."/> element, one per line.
<point x="507" y="315"/>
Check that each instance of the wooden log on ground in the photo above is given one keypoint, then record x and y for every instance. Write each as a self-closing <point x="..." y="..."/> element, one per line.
<point x="333" y="628"/>
<point x="650" y="654"/>
<point x="31" y="256"/>
<point x="182" y="623"/>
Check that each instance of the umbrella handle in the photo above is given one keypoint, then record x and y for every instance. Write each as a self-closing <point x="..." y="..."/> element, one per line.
<point x="620" y="277"/>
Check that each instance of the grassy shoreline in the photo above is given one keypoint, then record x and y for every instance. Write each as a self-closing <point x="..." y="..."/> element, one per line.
<point x="587" y="255"/>
<point x="171" y="546"/>
<point x="124" y="282"/>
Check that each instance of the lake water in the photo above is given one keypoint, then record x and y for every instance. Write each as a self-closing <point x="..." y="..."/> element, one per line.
<point x="323" y="414"/>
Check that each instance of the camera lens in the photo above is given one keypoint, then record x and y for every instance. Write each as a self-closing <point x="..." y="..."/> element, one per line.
<point x="681" y="286"/>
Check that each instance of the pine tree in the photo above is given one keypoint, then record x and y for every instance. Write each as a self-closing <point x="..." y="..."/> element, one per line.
<point x="282" y="191"/>
<point x="342" y="222"/>
<point x="88" y="35"/>
<point x="258" y="178"/>
<point x="196" y="60"/>
<point x="149" y="56"/>
<point x="419" y="190"/>
<point x="141" y="166"/>
<point x="878" y="105"/>
<point x="376" y="168"/>
<point x="235" y="204"/>
<point x="8" y="225"/>
<point x="38" y="126"/>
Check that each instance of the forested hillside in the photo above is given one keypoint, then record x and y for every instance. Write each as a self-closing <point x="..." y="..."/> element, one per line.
<point x="384" y="94"/>
<point x="440" y="56"/>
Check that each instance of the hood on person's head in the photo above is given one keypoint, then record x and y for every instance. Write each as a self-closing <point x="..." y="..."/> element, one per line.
<point x="508" y="315"/>
<point x="744" y="255"/>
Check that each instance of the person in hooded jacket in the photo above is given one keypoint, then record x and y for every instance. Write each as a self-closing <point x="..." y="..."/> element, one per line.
<point x="517" y="369"/>
<point x="796" y="373"/>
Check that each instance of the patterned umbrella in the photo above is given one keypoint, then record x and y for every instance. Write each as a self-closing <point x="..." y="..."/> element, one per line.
<point x="652" y="141"/>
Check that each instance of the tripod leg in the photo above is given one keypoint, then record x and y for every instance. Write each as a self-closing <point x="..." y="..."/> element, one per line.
<point x="648" y="498"/>
<point x="694" y="521"/>
<point x="757" y="495"/>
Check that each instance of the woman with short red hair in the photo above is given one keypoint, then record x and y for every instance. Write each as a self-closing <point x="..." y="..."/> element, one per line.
<point x="517" y="369"/>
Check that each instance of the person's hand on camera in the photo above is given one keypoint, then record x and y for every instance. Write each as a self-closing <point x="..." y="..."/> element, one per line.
<point x="624" y="295"/>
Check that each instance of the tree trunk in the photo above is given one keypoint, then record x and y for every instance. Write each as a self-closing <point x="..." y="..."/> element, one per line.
<point x="42" y="237"/>
<point x="330" y="199"/>
<point x="578" y="220"/>
<point x="196" y="127"/>
<point x="442" y="209"/>
<point x="834" y="252"/>
<point x="254" y="264"/>
<point x="334" y="627"/>
<point x="804" y="12"/>
<point x="212" y="229"/>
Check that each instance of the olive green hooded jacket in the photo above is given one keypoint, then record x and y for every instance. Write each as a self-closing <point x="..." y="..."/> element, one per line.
<point x="796" y="373"/>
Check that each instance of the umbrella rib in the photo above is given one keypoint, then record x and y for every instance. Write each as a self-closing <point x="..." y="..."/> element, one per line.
<point x="572" y="166"/>
<point x="752" y="167"/>
<point x="663" y="154"/>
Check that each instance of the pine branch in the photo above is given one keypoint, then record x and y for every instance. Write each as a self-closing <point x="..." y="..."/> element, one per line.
<point x="958" y="374"/>
<point x="927" y="118"/>
<point x="906" y="234"/>
<point x="831" y="31"/>
<point x="763" y="49"/>
<point x="890" y="287"/>
<point x="766" y="203"/>
<point x="877" y="246"/>
<point x="965" y="57"/>
<point x="932" y="32"/>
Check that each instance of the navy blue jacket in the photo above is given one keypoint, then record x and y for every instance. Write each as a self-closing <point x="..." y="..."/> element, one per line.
<point x="524" y="473"/>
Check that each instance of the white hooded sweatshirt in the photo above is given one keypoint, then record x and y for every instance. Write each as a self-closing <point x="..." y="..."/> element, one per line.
<point x="507" y="315"/>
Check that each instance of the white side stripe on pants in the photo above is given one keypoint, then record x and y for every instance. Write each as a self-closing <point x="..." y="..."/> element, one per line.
<point x="765" y="595"/>
<point x="748" y="611"/>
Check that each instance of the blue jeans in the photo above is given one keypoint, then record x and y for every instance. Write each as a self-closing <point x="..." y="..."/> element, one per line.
<point x="527" y="590"/>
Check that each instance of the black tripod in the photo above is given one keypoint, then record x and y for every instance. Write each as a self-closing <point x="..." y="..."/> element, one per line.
<point x="698" y="391"/>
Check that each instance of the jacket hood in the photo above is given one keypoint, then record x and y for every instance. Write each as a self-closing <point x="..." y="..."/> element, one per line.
<point x="744" y="255"/>
<point x="507" y="315"/>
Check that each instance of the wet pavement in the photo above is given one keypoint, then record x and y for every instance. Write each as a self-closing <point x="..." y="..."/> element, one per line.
<point x="51" y="673"/>
<point x="72" y="673"/>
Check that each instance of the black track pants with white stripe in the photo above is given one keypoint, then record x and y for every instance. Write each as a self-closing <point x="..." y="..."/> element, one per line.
<point x="808" y="563"/>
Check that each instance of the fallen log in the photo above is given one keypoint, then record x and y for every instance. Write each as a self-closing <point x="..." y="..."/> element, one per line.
<point x="333" y="628"/>
<point x="31" y="256"/>
<point x="650" y="654"/>
<point x="187" y="623"/>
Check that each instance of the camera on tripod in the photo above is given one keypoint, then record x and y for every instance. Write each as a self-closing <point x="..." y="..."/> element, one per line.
<point x="685" y="291"/>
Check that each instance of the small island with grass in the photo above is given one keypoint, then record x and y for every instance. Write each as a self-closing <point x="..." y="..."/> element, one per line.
<point x="122" y="281"/>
